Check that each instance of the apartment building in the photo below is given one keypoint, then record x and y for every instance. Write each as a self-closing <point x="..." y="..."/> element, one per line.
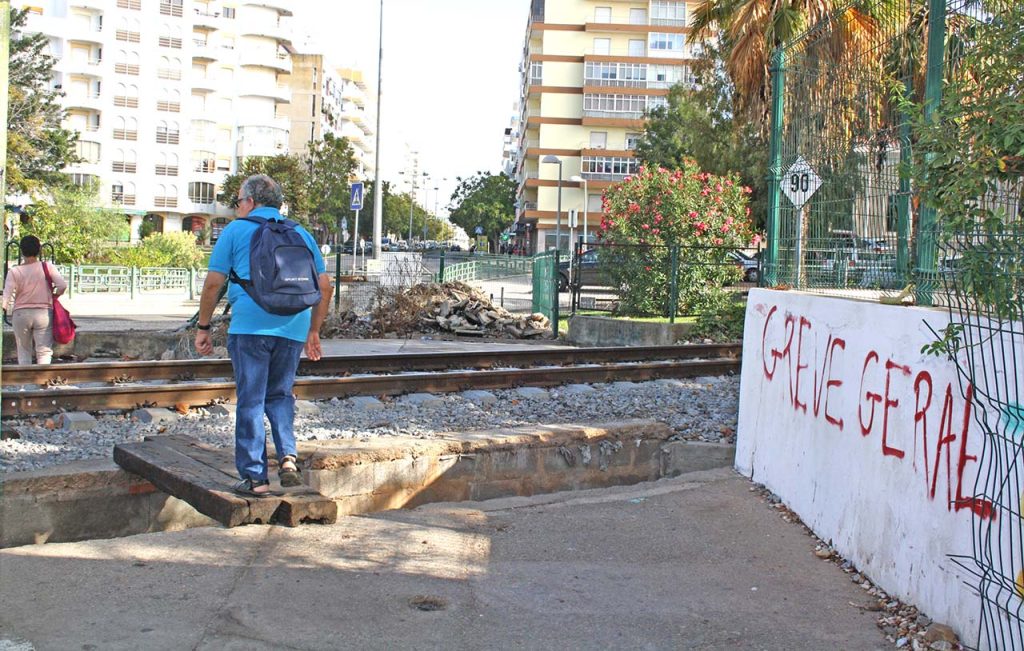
<point x="326" y="99"/>
<point x="167" y="96"/>
<point x="591" y="69"/>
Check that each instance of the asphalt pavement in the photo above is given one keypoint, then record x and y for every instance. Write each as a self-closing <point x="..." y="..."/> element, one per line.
<point x="696" y="562"/>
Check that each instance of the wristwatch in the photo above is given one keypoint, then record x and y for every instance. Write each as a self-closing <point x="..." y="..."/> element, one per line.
<point x="203" y="327"/>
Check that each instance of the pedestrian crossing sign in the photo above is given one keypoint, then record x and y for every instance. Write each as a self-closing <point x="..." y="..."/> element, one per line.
<point x="357" y="196"/>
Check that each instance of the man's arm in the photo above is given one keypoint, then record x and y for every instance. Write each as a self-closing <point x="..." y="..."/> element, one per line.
<point x="313" y="350"/>
<point x="207" y="304"/>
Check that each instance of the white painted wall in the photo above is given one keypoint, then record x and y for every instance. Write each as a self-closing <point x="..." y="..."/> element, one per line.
<point x="836" y="417"/>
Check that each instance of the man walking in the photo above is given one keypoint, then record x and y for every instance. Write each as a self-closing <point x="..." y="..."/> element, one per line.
<point x="264" y="346"/>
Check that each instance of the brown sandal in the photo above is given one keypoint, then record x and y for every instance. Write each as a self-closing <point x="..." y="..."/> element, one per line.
<point x="290" y="477"/>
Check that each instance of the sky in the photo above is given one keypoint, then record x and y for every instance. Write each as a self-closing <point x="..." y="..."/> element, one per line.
<point x="451" y="77"/>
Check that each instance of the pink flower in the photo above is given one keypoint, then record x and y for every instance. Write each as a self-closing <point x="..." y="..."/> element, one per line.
<point x="646" y="227"/>
<point x="747" y="189"/>
<point x="647" y="268"/>
<point x="728" y="183"/>
<point x="718" y="187"/>
<point x="718" y="241"/>
<point x="658" y="218"/>
<point x="756" y="240"/>
<point x="725" y="228"/>
<point x="705" y="192"/>
<point x="693" y="214"/>
<point x="656" y="231"/>
<point x="748" y="212"/>
<point x="718" y="198"/>
<point x="627" y="179"/>
<point x="701" y="227"/>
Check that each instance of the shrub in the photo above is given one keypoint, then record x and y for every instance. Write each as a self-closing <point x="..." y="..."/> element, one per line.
<point x="705" y="215"/>
<point x="161" y="250"/>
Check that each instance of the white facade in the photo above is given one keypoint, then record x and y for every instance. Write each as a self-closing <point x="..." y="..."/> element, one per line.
<point x="874" y="445"/>
<point x="348" y="112"/>
<point x="167" y="96"/>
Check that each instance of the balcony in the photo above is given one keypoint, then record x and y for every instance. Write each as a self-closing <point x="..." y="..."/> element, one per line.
<point x="95" y="5"/>
<point x="614" y="115"/>
<point x="279" y="61"/>
<point x="279" y="93"/>
<point x="201" y="49"/>
<point x="204" y="85"/>
<point x="257" y="140"/>
<point x="84" y="32"/>
<point x="88" y="67"/>
<point x="281" y="6"/>
<point x="87" y="101"/>
<point x="278" y="31"/>
<point x="203" y="19"/>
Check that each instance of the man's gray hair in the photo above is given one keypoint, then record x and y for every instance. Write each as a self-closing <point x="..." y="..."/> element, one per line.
<point x="263" y="190"/>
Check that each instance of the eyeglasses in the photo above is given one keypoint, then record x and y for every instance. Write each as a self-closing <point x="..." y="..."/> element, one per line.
<point x="236" y="201"/>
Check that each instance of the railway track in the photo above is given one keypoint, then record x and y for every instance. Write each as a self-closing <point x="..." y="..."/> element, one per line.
<point x="130" y="385"/>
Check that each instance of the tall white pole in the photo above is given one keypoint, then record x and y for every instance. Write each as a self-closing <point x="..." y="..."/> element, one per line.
<point x="378" y="202"/>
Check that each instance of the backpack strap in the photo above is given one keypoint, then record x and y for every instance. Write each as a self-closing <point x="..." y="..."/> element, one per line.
<point x="234" y="277"/>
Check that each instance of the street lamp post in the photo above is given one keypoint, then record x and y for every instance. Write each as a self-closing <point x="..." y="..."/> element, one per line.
<point x="558" y="218"/>
<point x="586" y="202"/>
<point x="378" y="207"/>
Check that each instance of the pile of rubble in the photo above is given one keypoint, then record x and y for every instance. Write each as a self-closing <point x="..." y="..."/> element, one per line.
<point x="464" y="310"/>
<point x="454" y="308"/>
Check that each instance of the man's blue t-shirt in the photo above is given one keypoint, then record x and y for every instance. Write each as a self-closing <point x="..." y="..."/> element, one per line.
<point x="232" y="252"/>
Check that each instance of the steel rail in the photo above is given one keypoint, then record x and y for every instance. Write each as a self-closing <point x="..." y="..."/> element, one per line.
<point x="186" y="370"/>
<point x="49" y="401"/>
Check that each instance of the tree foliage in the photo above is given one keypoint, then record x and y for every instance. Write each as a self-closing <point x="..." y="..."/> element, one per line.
<point x="38" y="148"/>
<point x="290" y="171"/>
<point x="702" y="124"/>
<point x="75" y="223"/>
<point x="485" y="200"/>
<point x="178" y="249"/>
<point x="647" y="214"/>
<point x="330" y="163"/>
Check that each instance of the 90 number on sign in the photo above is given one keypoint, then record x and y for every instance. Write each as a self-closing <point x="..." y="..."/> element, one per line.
<point x="799" y="182"/>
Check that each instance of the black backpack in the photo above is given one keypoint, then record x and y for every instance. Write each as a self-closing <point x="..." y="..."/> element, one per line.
<point x="282" y="271"/>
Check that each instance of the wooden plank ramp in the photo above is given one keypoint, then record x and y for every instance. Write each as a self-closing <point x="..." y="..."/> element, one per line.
<point x="203" y="476"/>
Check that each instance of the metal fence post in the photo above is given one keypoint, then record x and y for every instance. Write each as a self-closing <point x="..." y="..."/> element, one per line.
<point x="337" y="275"/>
<point x="553" y="288"/>
<point x="927" y="247"/>
<point x="903" y="202"/>
<point x="778" y="71"/>
<point x="191" y="283"/>
<point x="131" y="283"/>
<point x="440" y="270"/>
<point x="673" y="296"/>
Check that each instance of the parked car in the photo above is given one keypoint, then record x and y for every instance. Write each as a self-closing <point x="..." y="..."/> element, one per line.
<point x="750" y="267"/>
<point x="347" y="247"/>
<point x="589" y="272"/>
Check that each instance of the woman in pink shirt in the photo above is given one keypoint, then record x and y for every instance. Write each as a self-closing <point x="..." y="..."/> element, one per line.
<point x="33" y="303"/>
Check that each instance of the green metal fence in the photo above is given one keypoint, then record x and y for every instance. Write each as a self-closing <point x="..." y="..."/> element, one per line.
<point x="841" y="213"/>
<point x="101" y="279"/>
<point x="545" y="286"/>
<point x="483" y="267"/>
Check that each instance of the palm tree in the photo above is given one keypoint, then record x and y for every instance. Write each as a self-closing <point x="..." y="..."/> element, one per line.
<point x="752" y="29"/>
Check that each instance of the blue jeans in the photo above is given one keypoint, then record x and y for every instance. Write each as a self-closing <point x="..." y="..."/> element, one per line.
<point x="264" y="374"/>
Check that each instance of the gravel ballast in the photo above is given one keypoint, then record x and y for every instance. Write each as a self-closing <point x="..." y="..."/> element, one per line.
<point x="703" y="409"/>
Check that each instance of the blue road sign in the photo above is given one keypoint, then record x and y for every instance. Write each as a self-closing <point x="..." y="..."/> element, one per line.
<point x="479" y="230"/>
<point x="357" y="196"/>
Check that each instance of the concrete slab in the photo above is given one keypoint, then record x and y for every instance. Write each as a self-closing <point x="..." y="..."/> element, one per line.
<point x="576" y="389"/>
<point x="533" y="393"/>
<point x="366" y="403"/>
<point x="154" y="415"/>
<point x="425" y="400"/>
<point x="698" y="562"/>
<point x="482" y="398"/>
<point x="306" y="408"/>
<point x="77" y="421"/>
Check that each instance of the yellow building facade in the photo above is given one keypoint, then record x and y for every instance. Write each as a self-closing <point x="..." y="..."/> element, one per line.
<point x="591" y="70"/>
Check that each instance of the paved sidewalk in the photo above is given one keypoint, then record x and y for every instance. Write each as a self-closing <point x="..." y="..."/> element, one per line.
<point x="697" y="562"/>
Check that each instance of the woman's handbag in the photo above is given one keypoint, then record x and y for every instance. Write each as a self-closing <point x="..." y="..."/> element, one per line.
<point x="63" y="326"/>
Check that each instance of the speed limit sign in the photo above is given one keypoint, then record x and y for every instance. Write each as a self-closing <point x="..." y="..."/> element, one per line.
<point x="800" y="182"/>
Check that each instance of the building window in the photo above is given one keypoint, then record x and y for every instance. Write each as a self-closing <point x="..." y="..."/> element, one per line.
<point x="663" y="42"/>
<point x="166" y="196"/>
<point x="637" y="48"/>
<point x="637" y="16"/>
<point x="128" y="36"/>
<point x="84" y="180"/>
<point x="167" y="165"/>
<point x="134" y="5"/>
<point x="122" y="193"/>
<point x="124" y="161"/>
<point x="602" y="46"/>
<point x="617" y="106"/>
<point x="632" y="140"/>
<point x="89" y="152"/>
<point x="632" y="75"/>
<point x="167" y="133"/>
<point x="204" y="161"/>
<point x="126" y="129"/>
<point x="602" y="14"/>
<point x="229" y="12"/>
<point x="598" y="139"/>
<point x="668" y="12"/>
<point x="608" y="168"/>
<point x="200" y="192"/>
<point x="536" y="72"/>
<point x="170" y="8"/>
<point x="173" y="42"/>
